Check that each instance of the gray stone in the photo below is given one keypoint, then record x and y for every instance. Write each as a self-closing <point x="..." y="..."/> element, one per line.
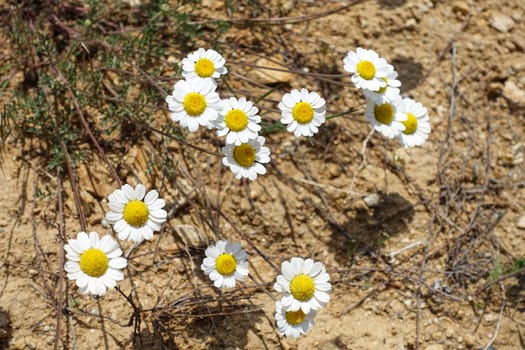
<point x="502" y="23"/>
<point x="521" y="223"/>
<point x="372" y="200"/>
<point x="514" y="94"/>
<point x="435" y="347"/>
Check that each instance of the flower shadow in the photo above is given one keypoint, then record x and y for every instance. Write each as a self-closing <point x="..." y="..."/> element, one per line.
<point x="220" y="319"/>
<point x="6" y="329"/>
<point x="390" y="4"/>
<point x="410" y="72"/>
<point x="515" y="293"/>
<point x="371" y="226"/>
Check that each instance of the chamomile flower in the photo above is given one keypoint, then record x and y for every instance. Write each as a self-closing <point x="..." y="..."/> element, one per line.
<point x="94" y="264"/>
<point x="225" y="262"/>
<point x="238" y="121"/>
<point x="367" y="67"/>
<point x="134" y="214"/>
<point x="304" y="285"/>
<point x="293" y="323"/>
<point x="203" y="64"/>
<point x="302" y="111"/>
<point x="389" y="92"/>
<point x="194" y="102"/>
<point x="246" y="160"/>
<point x="417" y="124"/>
<point x="386" y="116"/>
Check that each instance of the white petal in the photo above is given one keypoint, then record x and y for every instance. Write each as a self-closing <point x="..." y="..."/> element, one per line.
<point x="140" y="191"/>
<point x="114" y="254"/>
<point x="124" y="234"/>
<point x="108" y="281"/>
<point x="118" y="197"/>
<point x="71" y="267"/>
<point x="157" y="204"/>
<point x="112" y="217"/>
<point x="322" y="297"/>
<point x="323" y="286"/>
<point x="118" y="263"/>
<point x="82" y="281"/>
<point x="147" y="232"/>
<point x="77" y="246"/>
<point x="116" y="275"/>
<point x="151" y="197"/>
<point x="94" y="239"/>
<point x="128" y="192"/>
<point x="152" y="225"/>
<point x="116" y="206"/>
<point x="158" y="215"/>
<point x="83" y="241"/>
<point x="121" y="226"/>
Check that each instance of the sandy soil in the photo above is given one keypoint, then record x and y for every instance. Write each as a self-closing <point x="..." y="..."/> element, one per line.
<point x="411" y="237"/>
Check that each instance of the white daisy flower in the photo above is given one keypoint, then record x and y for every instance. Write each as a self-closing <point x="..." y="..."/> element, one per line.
<point x="369" y="69"/>
<point x="203" y="64"/>
<point x="304" y="285"/>
<point x="238" y="121"/>
<point x="302" y="111"/>
<point x="224" y="263"/>
<point x="194" y="102"/>
<point x="389" y="92"/>
<point x="417" y="124"/>
<point x="386" y="116"/>
<point x="246" y="160"/>
<point x="293" y="323"/>
<point x="134" y="214"/>
<point x="94" y="264"/>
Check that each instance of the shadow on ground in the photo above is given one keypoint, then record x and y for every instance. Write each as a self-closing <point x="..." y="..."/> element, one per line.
<point x="366" y="231"/>
<point x="410" y="72"/>
<point x="5" y="329"/>
<point x="390" y="4"/>
<point x="206" y="319"/>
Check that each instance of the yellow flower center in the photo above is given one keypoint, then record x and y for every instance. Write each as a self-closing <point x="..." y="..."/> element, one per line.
<point x="204" y="68"/>
<point x="410" y="124"/>
<point x="366" y="70"/>
<point x="244" y="155"/>
<point x="295" y="317"/>
<point x="384" y="113"/>
<point x="225" y="264"/>
<point x="236" y="120"/>
<point x="303" y="112"/>
<point x="136" y="213"/>
<point x="194" y="104"/>
<point x="383" y="89"/>
<point x="93" y="262"/>
<point x="302" y="287"/>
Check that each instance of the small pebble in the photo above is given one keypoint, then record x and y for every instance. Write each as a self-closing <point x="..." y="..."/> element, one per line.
<point x="372" y="200"/>
<point x="521" y="223"/>
<point x="502" y="23"/>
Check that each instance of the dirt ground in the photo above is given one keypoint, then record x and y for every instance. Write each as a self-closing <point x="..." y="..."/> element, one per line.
<point x="421" y="244"/>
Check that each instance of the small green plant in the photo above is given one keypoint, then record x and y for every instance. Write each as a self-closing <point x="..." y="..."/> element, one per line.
<point x="496" y="271"/>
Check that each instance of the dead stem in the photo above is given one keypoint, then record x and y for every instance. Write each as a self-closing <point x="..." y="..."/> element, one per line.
<point x="41" y="256"/>
<point x="73" y="179"/>
<point x="59" y="307"/>
<point x="500" y="316"/>
<point x="363" y="160"/>
<point x="280" y="20"/>
<point x="102" y="325"/>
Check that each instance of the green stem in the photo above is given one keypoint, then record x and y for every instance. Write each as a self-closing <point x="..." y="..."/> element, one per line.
<point x="271" y="128"/>
<point x="268" y="93"/>
<point x="350" y="111"/>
